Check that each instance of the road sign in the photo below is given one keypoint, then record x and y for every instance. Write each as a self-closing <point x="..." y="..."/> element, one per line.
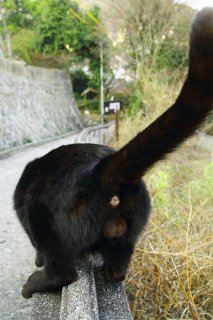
<point x="112" y="107"/>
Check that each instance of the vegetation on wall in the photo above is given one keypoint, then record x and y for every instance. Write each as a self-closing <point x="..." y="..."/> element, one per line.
<point x="55" y="28"/>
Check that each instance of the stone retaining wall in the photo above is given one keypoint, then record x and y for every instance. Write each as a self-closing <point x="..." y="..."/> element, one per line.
<point x="35" y="103"/>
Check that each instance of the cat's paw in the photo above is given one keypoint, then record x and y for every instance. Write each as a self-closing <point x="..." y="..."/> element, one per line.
<point x="35" y="283"/>
<point x="40" y="282"/>
<point x="114" y="275"/>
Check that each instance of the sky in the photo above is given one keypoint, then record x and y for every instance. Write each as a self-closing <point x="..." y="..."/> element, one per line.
<point x="198" y="4"/>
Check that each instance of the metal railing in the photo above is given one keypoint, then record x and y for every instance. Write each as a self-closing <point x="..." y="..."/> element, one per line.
<point x="101" y="134"/>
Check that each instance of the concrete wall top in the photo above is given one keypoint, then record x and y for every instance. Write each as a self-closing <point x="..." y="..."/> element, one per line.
<point x="21" y="69"/>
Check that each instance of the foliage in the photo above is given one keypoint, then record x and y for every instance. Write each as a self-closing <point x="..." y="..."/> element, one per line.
<point x="23" y="43"/>
<point x="18" y="14"/>
<point x="54" y="25"/>
<point x="135" y="101"/>
<point x="57" y="28"/>
<point x="155" y="41"/>
<point x="80" y="81"/>
<point x="155" y="32"/>
<point x="46" y="33"/>
<point x="208" y="126"/>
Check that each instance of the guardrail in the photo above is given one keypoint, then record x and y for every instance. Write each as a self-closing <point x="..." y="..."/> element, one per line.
<point x="100" y="134"/>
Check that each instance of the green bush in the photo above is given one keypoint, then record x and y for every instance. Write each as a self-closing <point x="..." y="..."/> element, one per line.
<point x="23" y="43"/>
<point x="80" y="81"/>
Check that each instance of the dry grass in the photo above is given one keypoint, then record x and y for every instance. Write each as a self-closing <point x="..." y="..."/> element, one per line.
<point x="171" y="274"/>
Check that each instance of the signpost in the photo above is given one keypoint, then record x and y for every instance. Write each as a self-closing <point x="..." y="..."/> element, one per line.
<point x="111" y="107"/>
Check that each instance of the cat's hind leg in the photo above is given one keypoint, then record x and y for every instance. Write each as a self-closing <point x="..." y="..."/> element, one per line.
<point x="117" y="254"/>
<point x="59" y="269"/>
<point x="50" y="278"/>
<point x="38" y="260"/>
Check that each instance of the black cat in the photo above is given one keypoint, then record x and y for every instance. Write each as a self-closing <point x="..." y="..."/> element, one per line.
<point x="84" y="197"/>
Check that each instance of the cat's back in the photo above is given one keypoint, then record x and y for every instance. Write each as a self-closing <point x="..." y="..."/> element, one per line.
<point x="65" y="162"/>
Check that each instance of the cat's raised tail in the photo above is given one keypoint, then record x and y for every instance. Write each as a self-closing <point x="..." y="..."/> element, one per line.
<point x="193" y="104"/>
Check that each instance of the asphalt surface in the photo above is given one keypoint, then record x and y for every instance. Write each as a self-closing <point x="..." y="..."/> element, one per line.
<point x="16" y="252"/>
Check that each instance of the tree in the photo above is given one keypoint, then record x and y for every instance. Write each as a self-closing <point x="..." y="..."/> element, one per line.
<point x="155" y="32"/>
<point x="58" y="29"/>
<point x="17" y="14"/>
<point x="55" y="28"/>
<point x="154" y="42"/>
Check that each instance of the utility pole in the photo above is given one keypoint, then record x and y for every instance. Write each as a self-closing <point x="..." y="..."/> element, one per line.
<point x="1" y="37"/>
<point x="102" y="82"/>
<point x="6" y="32"/>
<point x="1" y="47"/>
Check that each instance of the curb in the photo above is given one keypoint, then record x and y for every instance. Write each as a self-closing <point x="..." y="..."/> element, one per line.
<point x="9" y="152"/>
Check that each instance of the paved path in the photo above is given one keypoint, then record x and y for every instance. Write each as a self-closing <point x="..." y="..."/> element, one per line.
<point x="16" y="253"/>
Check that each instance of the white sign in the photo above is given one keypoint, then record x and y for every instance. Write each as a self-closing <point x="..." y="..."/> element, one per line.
<point x="116" y="106"/>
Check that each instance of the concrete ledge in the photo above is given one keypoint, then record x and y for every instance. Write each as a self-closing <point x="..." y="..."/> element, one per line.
<point x="111" y="297"/>
<point x="46" y="306"/>
<point x="89" y="298"/>
<point x="79" y="300"/>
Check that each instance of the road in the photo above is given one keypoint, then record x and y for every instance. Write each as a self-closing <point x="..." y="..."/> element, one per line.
<point x="16" y="252"/>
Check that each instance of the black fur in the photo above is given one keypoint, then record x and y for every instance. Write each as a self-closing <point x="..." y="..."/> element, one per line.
<point x="64" y="209"/>
<point x="83" y="197"/>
